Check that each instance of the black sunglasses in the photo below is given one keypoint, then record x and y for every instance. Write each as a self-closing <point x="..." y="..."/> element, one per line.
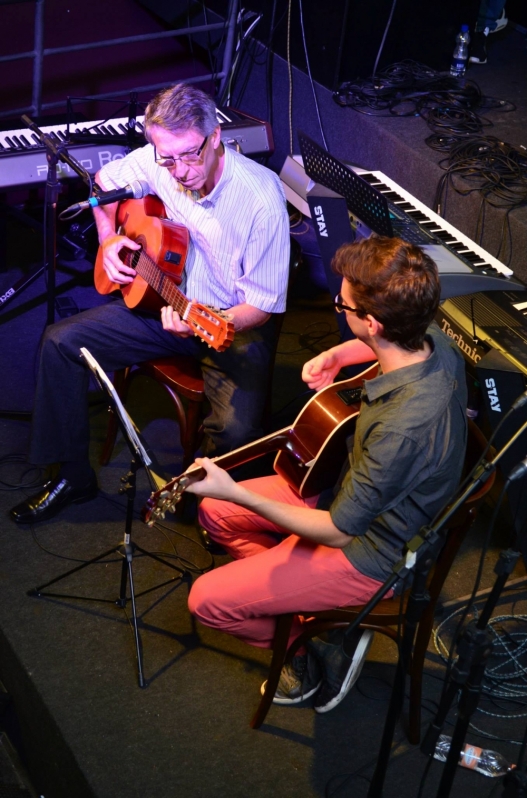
<point x="340" y="307"/>
<point x="187" y="157"/>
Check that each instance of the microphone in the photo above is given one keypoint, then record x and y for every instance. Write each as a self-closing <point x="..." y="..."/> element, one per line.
<point x="518" y="471"/>
<point x="136" y="190"/>
<point x="519" y="402"/>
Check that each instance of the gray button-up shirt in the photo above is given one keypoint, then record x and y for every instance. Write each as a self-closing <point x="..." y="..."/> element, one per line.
<point x="407" y="456"/>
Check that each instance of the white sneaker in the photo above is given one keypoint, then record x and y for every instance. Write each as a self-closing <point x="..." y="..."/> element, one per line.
<point x="501" y="23"/>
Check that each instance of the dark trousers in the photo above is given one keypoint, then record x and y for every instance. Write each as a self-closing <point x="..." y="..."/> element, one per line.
<point x="235" y="380"/>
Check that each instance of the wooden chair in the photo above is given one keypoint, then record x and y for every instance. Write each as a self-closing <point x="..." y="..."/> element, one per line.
<point x="181" y="378"/>
<point x="386" y="617"/>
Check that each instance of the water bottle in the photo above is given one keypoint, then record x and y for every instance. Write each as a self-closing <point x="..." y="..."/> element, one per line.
<point x="489" y="763"/>
<point x="459" y="59"/>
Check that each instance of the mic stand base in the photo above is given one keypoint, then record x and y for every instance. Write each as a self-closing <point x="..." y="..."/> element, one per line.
<point x="417" y="603"/>
<point x="126" y="551"/>
<point x="467" y="675"/>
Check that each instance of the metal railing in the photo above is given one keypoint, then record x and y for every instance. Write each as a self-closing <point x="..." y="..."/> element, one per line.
<point x="39" y="52"/>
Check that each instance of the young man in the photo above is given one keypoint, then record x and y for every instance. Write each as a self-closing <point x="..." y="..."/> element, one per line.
<point x="238" y="260"/>
<point x="404" y="464"/>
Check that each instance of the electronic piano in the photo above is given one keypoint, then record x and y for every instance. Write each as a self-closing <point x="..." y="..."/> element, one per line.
<point x="23" y="158"/>
<point x="95" y="143"/>
<point x="470" y="256"/>
<point x="349" y="203"/>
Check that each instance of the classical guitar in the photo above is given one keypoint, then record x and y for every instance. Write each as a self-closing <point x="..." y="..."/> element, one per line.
<point x="159" y="265"/>
<point x="310" y="452"/>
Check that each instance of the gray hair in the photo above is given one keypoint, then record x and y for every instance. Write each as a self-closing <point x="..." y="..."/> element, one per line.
<point x="181" y="108"/>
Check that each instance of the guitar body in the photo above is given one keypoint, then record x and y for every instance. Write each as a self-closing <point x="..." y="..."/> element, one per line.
<point x="164" y="241"/>
<point x="319" y="437"/>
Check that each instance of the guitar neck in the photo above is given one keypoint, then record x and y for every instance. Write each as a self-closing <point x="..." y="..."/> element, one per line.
<point x="152" y="274"/>
<point x="162" y="500"/>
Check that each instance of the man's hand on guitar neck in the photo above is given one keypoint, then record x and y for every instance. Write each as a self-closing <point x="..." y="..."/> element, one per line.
<point x="172" y="321"/>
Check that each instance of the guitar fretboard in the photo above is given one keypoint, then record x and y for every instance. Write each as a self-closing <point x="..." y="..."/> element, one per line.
<point x="160" y="282"/>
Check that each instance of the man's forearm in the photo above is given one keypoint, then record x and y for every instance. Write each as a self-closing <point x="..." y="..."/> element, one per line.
<point x="308" y="523"/>
<point x="353" y="352"/>
<point x="245" y="317"/>
<point x="105" y="216"/>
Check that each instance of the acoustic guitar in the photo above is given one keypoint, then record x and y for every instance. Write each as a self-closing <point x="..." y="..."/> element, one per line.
<point x="310" y="452"/>
<point x="159" y="265"/>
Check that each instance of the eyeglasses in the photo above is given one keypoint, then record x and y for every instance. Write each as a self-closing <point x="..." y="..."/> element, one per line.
<point x="187" y="157"/>
<point x="340" y="307"/>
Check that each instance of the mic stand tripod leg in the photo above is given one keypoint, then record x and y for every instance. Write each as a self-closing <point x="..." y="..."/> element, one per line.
<point x="417" y="603"/>
<point x="467" y="674"/>
<point x="127" y="553"/>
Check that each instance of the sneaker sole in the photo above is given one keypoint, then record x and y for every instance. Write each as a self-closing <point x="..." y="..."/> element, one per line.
<point x="357" y="664"/>
<point x="278" y="700"/>
<point x="502" y="24"/>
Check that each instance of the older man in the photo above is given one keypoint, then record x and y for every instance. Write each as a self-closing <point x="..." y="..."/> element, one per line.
<point x="238" y="261"/>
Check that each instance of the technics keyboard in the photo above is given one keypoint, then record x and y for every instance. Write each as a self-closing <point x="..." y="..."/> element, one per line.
<point x="23" y="158"/>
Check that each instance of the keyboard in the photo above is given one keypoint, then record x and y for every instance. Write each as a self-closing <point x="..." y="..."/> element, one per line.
<point x="95" y="143"/>
<point x="448" y="246"/>
<point x="23" y="158"/>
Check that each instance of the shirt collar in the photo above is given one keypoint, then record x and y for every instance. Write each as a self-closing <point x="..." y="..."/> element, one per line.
<point x="385" y="383"/>
<point x="226" y="176"/>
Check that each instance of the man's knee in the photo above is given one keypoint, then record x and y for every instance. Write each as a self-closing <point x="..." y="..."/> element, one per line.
<point x="202" y="604"/>
<point x="59" y="338"/>
<point x="210" y="515"/>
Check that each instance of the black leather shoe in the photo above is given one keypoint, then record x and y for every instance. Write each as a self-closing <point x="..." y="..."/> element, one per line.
<point x="54" y="497"/>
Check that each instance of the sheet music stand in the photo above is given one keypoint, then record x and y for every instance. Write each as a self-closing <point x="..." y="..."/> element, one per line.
<point x="126" y="550"/>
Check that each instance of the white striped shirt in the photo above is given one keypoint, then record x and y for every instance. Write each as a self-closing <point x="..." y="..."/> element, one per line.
<point x="239" y="233"/>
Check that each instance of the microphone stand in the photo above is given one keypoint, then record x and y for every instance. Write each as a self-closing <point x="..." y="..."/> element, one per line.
<point x="55" y="152"/>
<point x="466" y="676"/>
<point x="127" y="549"/>
<point x="422" y="550"/>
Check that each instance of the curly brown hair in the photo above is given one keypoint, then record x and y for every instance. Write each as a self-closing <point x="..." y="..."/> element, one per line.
<point x="395" y="282"/>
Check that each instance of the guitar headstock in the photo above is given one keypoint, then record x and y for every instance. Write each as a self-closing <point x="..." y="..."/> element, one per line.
<point x="164" y="500"/>
<point x="211" y="324"/>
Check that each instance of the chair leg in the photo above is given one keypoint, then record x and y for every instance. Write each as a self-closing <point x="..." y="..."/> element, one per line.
<point x="281" y="639"/>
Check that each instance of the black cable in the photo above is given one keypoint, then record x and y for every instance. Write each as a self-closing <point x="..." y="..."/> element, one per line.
<point x="311" y="83"/>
